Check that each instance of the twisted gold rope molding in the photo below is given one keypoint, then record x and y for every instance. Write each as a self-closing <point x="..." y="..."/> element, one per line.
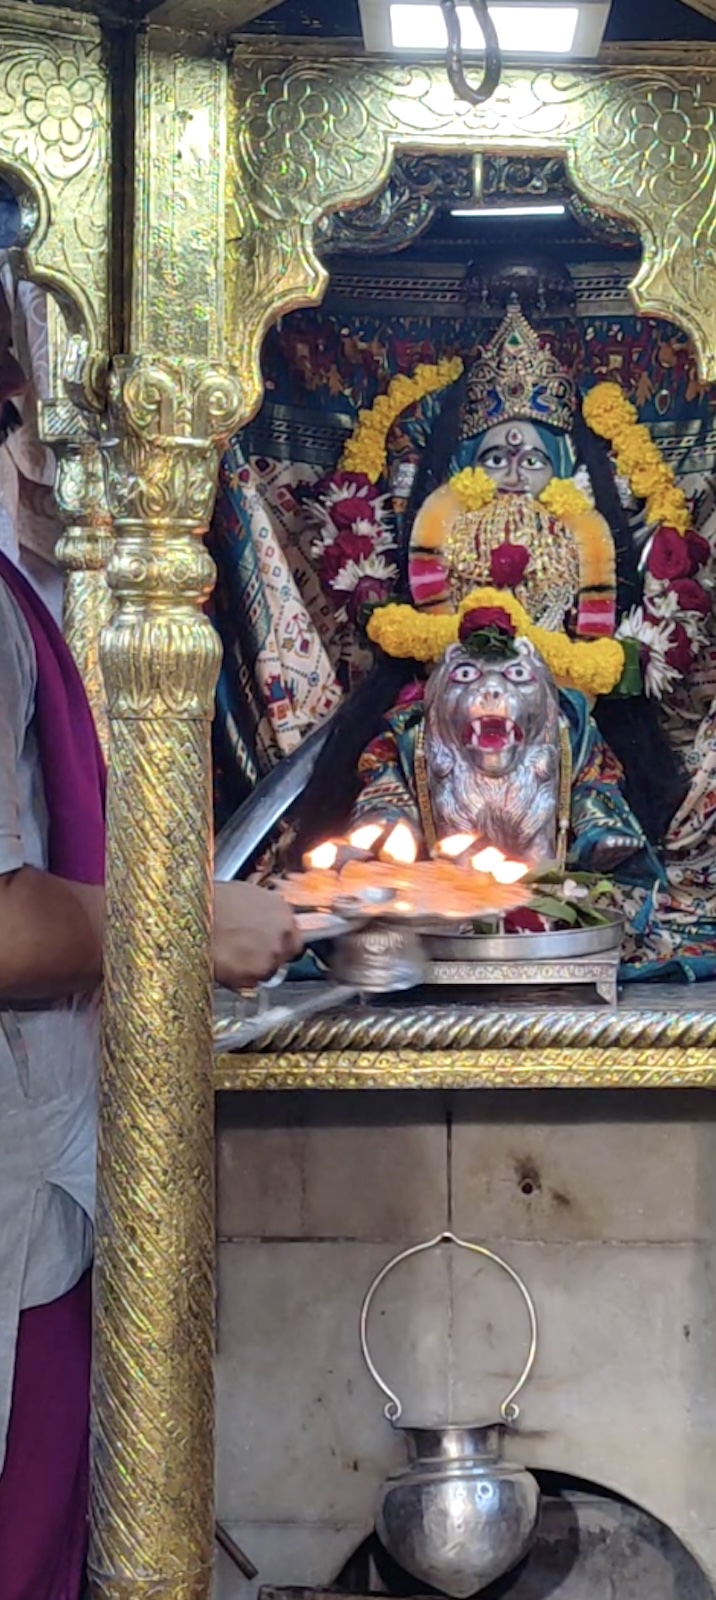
<point x="436" y="1047"/>
<point x="452" y="1028"/>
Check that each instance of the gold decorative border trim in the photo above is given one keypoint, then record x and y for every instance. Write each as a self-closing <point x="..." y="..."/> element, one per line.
<point x="470" y="1069"/>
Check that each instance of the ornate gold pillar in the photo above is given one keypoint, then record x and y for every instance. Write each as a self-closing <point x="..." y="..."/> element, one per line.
<point x="83" y="552"/>
<point x="153" y="1394"/>
<point x="171" y="402"/>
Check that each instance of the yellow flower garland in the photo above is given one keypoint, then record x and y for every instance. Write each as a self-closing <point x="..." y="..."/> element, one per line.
<point x="610" y="415"/>
<point x="563" y="499"/>
<point x="366" y="450"/>
<point x="593" y="667"/>
<point x="473" y="488"/>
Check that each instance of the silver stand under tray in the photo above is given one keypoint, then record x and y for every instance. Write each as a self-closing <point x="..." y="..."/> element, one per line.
<point x="584" y="956"/>
<point x="386" y="957"/>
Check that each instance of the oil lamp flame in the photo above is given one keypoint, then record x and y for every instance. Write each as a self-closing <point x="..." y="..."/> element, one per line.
<point x="400" y="845"/>
<point x="510" y="871"/>
<point x="488" y="860"/>
<point x="323" y="857"/>
<point x="499" y="867"/>
<point x="366" y="837"/>
<point x="456" y="845"/>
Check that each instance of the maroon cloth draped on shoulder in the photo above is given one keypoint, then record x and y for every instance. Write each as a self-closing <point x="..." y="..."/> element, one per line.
<point x="44" y="1481"/>
<point x="73" y="769"/>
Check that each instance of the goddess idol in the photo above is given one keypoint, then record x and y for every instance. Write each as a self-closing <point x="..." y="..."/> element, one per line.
<point x="546" y="518"/>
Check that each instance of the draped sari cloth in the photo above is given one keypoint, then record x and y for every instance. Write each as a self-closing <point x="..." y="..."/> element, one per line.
<point x="73" y="768"/>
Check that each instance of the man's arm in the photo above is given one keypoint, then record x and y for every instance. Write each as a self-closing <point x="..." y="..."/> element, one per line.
<point x="51" y="935"/>
<point x="51" y="931"/>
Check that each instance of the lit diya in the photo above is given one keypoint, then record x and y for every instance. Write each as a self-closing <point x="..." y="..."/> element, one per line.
<point x="375" y="872"/>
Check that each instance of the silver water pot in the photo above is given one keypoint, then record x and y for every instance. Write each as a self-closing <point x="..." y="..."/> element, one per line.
<point x="458" y="1516"/>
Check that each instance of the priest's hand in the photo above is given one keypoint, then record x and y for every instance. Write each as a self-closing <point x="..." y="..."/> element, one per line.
<point x="255" y="933"/>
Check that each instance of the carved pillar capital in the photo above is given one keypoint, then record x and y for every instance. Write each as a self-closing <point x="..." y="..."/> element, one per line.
<point x="83" y="552"/>
<point x="166" y="422"/>
<point x="153" y="1402"/>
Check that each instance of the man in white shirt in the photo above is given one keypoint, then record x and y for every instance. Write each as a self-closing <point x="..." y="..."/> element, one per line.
<point x="50" y="973"/>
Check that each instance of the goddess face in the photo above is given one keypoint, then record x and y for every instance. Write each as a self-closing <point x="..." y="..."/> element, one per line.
<point x="512" y="454"/>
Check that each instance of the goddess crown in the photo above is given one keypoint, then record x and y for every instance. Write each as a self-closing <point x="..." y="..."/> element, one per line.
<point x="516" y="377"/>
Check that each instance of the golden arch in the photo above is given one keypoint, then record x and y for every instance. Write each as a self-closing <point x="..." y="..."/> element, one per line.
<point x="310" y="136"/>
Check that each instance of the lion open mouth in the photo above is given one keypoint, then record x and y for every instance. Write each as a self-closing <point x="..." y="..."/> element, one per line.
<point x="493" y="733"/>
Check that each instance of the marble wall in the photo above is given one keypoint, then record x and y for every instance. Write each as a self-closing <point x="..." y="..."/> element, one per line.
<point x="607" y="1206"/>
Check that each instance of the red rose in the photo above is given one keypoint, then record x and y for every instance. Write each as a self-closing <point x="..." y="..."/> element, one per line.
<point x="344" y="513"/>
<point x="486" y="617"/>
<point x="347" y="547"/>
<point x="508" y="564"/>
<point x="524" y="921"/>
<point x="699" y="549"/>
<point x="692" y="596"/>
<point x="354" y="485"/>
<point x="354" y="545"/>
<point x="679" y="653"/>
<point x="368" y="591"/>
<point x="669" y="555"/>
<point x="348" y="480"/>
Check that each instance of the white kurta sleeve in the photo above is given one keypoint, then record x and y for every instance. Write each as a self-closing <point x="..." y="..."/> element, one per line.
<point x="16" y="683"/>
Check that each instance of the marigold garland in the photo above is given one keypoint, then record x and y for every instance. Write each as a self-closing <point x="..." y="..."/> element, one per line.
<point x="610" y="415"/>
<point x="366" y="450"/>
<point x="563" y="499"/>
<point x="473" y="488"/>
<point x="593" y="667"/>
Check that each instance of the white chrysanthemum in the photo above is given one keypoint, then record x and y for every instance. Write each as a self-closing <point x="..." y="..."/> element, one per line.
<point x="347" y="491"/>
<point x="693" y="625"/>
<point x="583" y="483"/>
<point x="374" y="566"/>
<point x="381" y="538"/>
<point x="655" y="639"/>
<point x="661" y="598"/>
<point x="571" y="890"/>
<point x="623" y="488"/>
<point x="380" y="532"/>
<point x="663" y="602"/>
<point x="355" y="491"/>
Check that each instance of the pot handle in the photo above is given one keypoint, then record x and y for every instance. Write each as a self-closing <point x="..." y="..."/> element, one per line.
<point x="509" y="1412"/>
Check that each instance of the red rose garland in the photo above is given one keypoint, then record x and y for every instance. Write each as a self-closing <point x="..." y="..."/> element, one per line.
<point x="353" y="549"/>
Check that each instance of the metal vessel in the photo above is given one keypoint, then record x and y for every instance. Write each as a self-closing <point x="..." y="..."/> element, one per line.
<point x="458" y="1516"/>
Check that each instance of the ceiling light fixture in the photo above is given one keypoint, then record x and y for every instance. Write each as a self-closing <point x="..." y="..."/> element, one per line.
<point x="572" y="28"/>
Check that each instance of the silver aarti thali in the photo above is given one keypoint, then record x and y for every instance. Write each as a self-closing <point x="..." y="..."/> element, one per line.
<point x="386" y="956"/>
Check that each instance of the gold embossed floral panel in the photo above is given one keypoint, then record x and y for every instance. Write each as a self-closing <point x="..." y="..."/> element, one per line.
<point x="310" y="136"/>
<point x="54" y="143"/>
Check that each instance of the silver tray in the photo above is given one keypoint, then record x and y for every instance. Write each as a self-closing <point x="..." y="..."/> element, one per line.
<point x="565" y="944"/>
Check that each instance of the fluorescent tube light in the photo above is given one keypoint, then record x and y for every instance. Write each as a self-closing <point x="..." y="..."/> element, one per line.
<point x="510" y="211"/>
<point x="523" y="29"/>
